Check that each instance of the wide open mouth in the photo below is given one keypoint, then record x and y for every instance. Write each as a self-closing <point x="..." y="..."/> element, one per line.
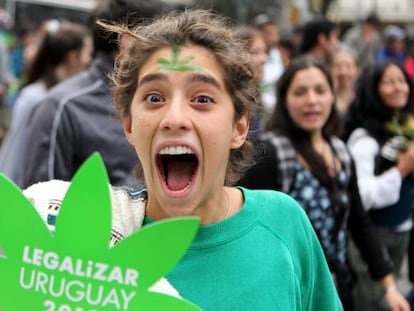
<point x="177" y="166"/>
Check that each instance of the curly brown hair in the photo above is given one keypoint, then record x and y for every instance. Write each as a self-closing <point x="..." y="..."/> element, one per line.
<point x="203" y="28"/>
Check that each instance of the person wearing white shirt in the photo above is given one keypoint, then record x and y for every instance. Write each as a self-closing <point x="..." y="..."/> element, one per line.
<point x="273" y="68"/>
<point x="380" y="141"/>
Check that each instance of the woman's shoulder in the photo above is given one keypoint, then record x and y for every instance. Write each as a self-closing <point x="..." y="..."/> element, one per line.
<point x="270" y="203"/>
<point x="37" y="88"/>
<point x="279" y="213"/>
<point x="358" y="132"/>
<point x="279" y="143"/>
<point x="128" y="205"/>
<point x="360" y="136"/>
<point x="32" y="93"/>
<point x="274" y="138"/>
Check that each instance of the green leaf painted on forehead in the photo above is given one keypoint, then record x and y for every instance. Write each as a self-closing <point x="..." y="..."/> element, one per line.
<point x="177" y="64"/>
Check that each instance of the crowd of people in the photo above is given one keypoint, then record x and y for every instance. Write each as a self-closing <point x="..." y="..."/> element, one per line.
<point x="295" y="152"/>
<point x="339" y="134"/>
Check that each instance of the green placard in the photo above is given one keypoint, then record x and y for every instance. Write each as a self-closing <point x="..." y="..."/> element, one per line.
<point x="75" y="269"/>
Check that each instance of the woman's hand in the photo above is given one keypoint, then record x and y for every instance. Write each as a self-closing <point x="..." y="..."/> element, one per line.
<point x="405" y="162"/>
<point x="396" y="301"/>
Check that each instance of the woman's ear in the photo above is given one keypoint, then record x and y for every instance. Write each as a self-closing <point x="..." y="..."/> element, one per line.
<point x="72" y="57"/>
<point x="126" y="124"/>
<point x="240" y="131"/>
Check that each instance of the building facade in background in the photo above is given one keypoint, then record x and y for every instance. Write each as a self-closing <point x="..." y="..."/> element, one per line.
<point x="395" y="11"/>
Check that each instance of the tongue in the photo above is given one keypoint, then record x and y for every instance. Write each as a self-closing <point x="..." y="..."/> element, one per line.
<point x="179" y="174"/>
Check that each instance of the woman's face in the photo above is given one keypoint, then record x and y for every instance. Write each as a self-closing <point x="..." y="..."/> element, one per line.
<point x="85" y="55"/>
<point x="393" y="88"/>
<point x="182" y="127"/>
<point x="79" y="60"/>
<point x="344" y="70"/>
<point x="257" y="51"/>
<point x="309" y="99"/>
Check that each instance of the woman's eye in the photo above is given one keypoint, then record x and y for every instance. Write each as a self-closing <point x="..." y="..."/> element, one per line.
<point x="402" y="81"/>
<point x="299" y="92"/>
<point x="153" y="98"/>
<point x="321" y="90"/>
<point x="203" y="100"/>
<point x="386" y="82"/>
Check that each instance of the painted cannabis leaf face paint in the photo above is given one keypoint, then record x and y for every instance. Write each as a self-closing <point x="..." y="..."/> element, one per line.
<point x="74" y="268"/>
<point x="177" y="64"/>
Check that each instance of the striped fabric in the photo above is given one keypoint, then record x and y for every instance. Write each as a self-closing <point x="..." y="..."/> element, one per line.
<point x="286" y="155"/>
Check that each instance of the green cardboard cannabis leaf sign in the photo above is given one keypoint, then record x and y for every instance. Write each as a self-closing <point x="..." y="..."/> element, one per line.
<point x="75" y="269"/>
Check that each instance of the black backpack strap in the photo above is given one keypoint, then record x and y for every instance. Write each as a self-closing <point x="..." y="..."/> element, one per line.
<point x="286" y="157"/>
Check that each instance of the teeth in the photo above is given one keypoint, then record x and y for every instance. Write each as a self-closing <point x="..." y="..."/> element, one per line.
<point x="176" y="150"/>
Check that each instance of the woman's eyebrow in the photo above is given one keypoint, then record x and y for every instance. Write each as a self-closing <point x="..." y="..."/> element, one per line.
<point x="195" y="77"/>
<point x="205" y="78"/>
<point x="157" y="76"/>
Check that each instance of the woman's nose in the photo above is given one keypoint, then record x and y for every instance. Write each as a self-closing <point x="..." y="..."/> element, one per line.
<point x="176" y="116"/>
<point x="311" y="97"/>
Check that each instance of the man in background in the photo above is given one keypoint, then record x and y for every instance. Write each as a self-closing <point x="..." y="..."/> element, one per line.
<point x="273" y="67"/>
<point x="394" y="45"/>
<point x="365" y="40"/>
<point x="320" y="39"/>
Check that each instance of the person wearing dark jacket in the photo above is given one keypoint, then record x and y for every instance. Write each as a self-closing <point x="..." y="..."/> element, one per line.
<point x="77" y="117"/>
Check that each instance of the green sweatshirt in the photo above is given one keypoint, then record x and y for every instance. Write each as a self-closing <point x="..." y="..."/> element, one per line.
<point x="265" y="257"/>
